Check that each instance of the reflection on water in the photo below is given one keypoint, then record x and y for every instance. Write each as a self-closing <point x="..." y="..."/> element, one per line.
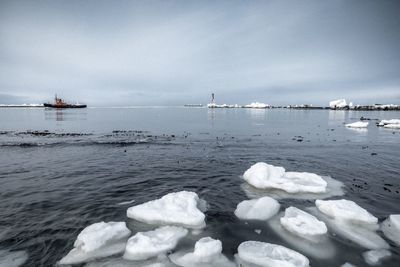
<point x="257" y="114"/>
<point x="358" y="130"/>
<point x="53" y="114"/>
<point x="337" y="115"/>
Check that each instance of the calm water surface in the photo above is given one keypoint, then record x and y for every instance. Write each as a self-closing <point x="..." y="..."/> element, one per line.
<point x="91" y="161"/>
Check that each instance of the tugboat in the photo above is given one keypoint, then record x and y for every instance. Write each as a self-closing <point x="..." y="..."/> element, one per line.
<point x="59" y="103"/>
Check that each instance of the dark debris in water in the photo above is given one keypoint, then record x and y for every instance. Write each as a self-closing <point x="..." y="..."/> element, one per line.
<point x="48" y="133"/>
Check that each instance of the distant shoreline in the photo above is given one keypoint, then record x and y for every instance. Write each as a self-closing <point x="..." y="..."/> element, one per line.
<point x="298" y="107"/>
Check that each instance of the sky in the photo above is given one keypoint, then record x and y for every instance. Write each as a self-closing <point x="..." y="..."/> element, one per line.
<point x="122" y="53"/>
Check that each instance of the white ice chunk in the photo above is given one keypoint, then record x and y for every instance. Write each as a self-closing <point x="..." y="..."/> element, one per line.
<point x="340" y="103"/>
<point x="161" y="261"/>
<point x="12" y="258"/>
<point x="391" y="228"/>
<point x="270" y="255"/>
<point x="98" y="240"/>
<point x="316" y="245"/>
<point x="207" y="252"/>
<point x="261" y="172"/>
<point x="263" y="176"/>
<point x="98" y="234"/>
<point x="180" y="208"/>
<point x="294" y="182"/>
<point x="392" y="121"/>
<point x="303" y="224"/>
<point x="145" y="245"/>
<point x="358" y="124"/>
<point x="374" y="257"/>
<point x="333" y="188"/>
<point x="360" y="233"/>
<point x="346" y="210"/>
<point x="392" y="126"/>
<point x="347" y="265"/>
<point x="257" y="105"/>
<point x="257" y="209"/>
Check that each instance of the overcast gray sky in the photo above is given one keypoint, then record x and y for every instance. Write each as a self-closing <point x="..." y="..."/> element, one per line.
<point x="110" y="53"/>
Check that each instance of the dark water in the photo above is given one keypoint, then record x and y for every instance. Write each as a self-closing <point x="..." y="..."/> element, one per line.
<point x="55" y="183"/>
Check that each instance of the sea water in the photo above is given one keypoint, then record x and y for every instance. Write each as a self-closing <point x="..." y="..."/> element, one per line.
<point x="62" y="170"/>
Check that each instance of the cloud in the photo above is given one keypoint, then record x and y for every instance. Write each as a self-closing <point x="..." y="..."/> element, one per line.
<point x="173" y="52"/>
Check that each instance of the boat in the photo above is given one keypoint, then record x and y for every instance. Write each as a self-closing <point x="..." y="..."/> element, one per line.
<point x="59" y="103"/>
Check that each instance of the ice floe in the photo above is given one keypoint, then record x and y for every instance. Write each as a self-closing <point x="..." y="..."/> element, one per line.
<point x="264" y="176"/>
<point x="392" y="126"/>
<point x="303" y="232"/>
<point x="386" y="122"/>
<point x="391" y="228"/>
<point x="145" y="245"/>
<point x="352" y="222"/>
<point x="347" y="210"/>
<point x="179" y="208"/>
<point x="347" y="265"/>
<point x="374" y="257"/>
<point x="257" y="105"/>
<point x="98" y="240"/>
<point x="358" y="124"/>
<point x="161" y="261"/>
<point x="207" y="252"/>
<point x="303" y="224"/>
<point x="257" y="209"/>
<point x="334" y="188"/>
<point x="263" y="254"/>
<point x="340" y="103"/>
<point x="12" y="258"/>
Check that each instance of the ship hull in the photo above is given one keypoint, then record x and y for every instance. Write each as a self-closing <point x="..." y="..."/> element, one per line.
<point x="47" y="105"/>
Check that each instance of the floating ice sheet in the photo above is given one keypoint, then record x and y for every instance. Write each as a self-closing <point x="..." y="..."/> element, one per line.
<point x="207" y="252"/>
<point x="392" y="126"/>
<point x="303" y="224"/>
<point x="145" y="245"/>
<point x="12" y="258"/>
<point x="340" y="103"/>
<point x="362" y="234"/>
<point x="392" y="121"/>
<point x="119" y="262"/>
<point x="97" y="241"/>
<point x="269" y="255"/>
<point x="334" y="188"/>
<point x="180" y="208"/>
<point x="257" y="209"/>
<point x="374" y="257"/>
<point x="347" y="210"/>
<point x="358" y="124"/>
<point x="316" y="244"/>
<point x="265" y="176"/>
<point x="391" y="228"/>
